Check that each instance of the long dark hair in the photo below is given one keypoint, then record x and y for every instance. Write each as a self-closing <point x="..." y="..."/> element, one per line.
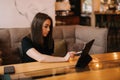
<point x="36" y="29"/>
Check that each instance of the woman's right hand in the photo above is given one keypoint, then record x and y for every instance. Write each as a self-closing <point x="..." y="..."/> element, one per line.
<point x="69" y="55"/>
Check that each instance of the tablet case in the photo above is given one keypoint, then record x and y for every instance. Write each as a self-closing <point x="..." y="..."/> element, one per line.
<point x="83" y="61"/>
<point x="85" y="58"/>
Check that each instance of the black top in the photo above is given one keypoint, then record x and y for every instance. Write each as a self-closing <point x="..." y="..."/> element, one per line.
<point x="27" y="43"/>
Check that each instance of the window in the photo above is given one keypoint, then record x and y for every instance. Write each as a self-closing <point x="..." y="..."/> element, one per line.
<point x="86" y="6"/>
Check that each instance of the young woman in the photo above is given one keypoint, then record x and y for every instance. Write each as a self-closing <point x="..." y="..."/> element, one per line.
<point x="39" y="45"/>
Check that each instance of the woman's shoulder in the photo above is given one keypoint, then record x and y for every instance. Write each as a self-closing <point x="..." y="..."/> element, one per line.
<point x="26" y="38"/>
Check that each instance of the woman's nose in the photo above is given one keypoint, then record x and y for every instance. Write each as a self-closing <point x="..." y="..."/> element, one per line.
<point x="48" y="29"/>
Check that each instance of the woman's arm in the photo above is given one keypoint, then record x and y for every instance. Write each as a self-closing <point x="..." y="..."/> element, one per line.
<point x="33" y="53"/>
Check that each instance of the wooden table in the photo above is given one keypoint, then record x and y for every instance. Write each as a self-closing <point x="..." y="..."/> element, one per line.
<point x="108" y="73"/>
<point x="105" y="74"/>
<point x="34" y="66"/>
<point x="97" y="70"/>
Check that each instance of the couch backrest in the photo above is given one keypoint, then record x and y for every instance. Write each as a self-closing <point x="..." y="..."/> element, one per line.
<point x="16" y="35"/>
<point x="85" y="34"/>
<point x="10" y="39"/>
<point x="64" y="32"/>
<point x="4" y="38"/>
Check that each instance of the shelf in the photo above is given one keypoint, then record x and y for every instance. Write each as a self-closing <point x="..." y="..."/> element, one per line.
<point x="67" y="20"/>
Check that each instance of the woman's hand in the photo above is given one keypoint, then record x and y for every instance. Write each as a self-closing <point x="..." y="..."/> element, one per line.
<point x="69" y="55"/>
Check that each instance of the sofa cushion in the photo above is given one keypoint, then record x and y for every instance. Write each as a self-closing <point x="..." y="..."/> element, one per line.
<point x="57" y="33"/>
<point x="75" y="46"/>
<point x="69" y="34"/>
<point x="17" y="34"/>
<point x="11" y="56"/>
<point x="85" y="34"/>
<point x="4" y="38"/>
<point x="60" y="48"/>
<point x="64" y="32"/>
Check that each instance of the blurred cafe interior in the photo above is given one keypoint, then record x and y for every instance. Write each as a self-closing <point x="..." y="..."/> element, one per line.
<point x="75" y="23"/>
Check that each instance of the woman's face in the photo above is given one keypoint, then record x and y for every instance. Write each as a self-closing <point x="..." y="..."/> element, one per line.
<point x="46" y="27"/>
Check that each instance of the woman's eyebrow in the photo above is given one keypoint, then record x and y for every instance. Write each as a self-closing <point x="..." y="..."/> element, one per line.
<point x="47" y="25"/>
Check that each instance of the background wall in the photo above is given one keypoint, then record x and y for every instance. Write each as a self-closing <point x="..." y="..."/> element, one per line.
<point x="19" y="13"/>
